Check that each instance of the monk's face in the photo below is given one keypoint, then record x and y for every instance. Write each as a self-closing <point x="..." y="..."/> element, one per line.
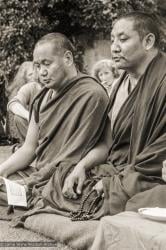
<point x="126" y="46"/>
<point x="50" y="66"/>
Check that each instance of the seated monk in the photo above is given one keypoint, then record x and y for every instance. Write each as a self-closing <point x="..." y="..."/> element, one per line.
<point x="138" y="121"/>
<point x="61" y="129"/>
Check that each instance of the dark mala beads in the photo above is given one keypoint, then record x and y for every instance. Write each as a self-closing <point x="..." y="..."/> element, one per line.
<point x="88" y="207"/>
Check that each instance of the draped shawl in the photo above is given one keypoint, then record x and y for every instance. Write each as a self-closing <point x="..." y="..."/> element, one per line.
<point x="139" y="139"/>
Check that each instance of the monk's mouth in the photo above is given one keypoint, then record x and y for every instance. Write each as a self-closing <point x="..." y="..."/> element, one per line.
<point x="45" y="81"/>
<point x="117" y="59"/>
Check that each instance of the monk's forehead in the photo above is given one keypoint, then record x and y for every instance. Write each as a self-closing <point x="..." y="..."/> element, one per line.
<point x="123" y="25"/>
<point x="46" y="50"/>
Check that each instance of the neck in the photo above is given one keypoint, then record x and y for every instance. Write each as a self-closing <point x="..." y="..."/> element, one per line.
<point x="72" y="73"/>
<point x="138" y="71"/>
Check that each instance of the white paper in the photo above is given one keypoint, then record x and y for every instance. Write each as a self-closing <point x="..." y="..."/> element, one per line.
<point x="16" y="193"/>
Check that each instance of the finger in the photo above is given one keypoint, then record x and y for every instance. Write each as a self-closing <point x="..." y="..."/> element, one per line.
<point x="97" y="189"/>
<point x="70" y="195"/>
<point x="163" y="174"/>
<point x="26" y="188"/>
<point x="164" y="177"/>
<point x="164" y="164"/>
<point x="74" y="196"/>
<point x="80" y="185"/>
<point x="66" y="186"/>
<point x="99" y="192"/>
<point x="163" y="171"/>
<point x="1" y="181"/>
<point x="64" y="189"/>
<point x="68" y="192"/>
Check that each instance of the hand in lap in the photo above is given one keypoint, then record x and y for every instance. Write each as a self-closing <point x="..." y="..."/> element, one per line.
<point x="74" y="183"/>
<point x="99" y="188"/>
<point x="164" y="170"/>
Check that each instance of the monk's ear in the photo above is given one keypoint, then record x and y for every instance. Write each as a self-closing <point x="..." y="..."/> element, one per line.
<point x="68" y="58"/>
<point x="149" y="41"/>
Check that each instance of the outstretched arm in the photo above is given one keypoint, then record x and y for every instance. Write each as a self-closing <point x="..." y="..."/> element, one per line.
<point x="24" y="155"/>
<point x="19" y="104"/>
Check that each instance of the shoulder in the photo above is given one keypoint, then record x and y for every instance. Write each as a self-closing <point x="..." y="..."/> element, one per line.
<point x="91" y="87"/>
<point x="30" y="87"/>
<point x="27" y="86"/>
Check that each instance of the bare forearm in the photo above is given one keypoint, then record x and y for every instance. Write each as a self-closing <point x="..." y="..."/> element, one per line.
<point x="18" y="109"/>
<point x="17" y="161"/>
<point x="24" y="155"/>
<point x="95" y="157"/>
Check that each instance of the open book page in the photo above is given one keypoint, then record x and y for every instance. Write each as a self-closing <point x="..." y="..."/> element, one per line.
<point x="16" y="193"/>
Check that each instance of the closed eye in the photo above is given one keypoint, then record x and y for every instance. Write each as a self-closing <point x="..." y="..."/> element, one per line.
<point x="46" y="63"/>
<point x="123" y="39"/>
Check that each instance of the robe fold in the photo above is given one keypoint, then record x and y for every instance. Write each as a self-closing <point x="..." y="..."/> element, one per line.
<point x="66" y="125"/>
<point x="139" y="140"/>
<point x="70" y="124"/>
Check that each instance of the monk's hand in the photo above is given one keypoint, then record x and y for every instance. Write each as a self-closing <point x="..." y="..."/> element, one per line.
<point x="3" y="174"/>
<point x="1" y="181"/>
<point x="164" y="171"/>
<point x="99" y="188"/>
<point x="74" y="183"/>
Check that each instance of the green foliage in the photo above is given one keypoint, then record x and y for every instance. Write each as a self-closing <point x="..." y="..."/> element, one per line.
<point x="92" y="15"/>
<point x="21" y="25"/>
<point x="23" y="22"/>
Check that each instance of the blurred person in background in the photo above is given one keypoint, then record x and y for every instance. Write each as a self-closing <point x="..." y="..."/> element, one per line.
<point x="25" y="87"/>
<point x="106" y="72"/>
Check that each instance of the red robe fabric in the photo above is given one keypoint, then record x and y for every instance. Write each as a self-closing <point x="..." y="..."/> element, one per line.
<point x="70" y="125"/>
<point x="139" y="141"/>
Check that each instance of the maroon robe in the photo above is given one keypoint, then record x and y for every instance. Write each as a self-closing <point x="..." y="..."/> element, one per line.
<point x="139" y="140"/>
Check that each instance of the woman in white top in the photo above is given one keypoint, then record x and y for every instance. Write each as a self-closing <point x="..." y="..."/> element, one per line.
<point x="25" y="87"/>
